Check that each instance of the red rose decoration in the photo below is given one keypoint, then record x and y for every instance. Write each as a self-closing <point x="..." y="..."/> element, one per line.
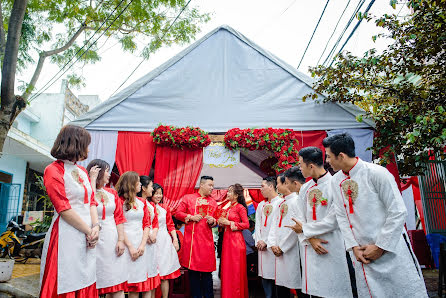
<point x="177" y="137"/>
<point x="282" y="142"/>
<point x="324" y="203"/>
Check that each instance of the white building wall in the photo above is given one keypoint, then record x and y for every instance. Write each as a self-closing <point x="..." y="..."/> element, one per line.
<point x="50" y="107"/>
<point x="90" y="100"/>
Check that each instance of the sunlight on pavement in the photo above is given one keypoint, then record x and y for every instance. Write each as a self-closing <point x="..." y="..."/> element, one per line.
<point x="31" y="267"/>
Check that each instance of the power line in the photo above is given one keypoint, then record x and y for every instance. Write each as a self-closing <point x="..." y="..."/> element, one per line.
<point x="46" y="86"/>
<point x="160" y="39"/>
<point x="354" y="29"/>
<point x="312" y="35"/>
<point x="334" y="30"/>
<point x="358" y="7"/>
<point x="276" y="17"/>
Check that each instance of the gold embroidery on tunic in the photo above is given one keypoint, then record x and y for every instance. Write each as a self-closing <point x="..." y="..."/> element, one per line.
<point x="76" y="176"/>
<point x="267" y="210"/>
<point x="314" y="193"/>
<point x="352" y="187"/>
<point x="283" y="210"/>
<point x="101" y="197"/>
<point x="202" y="201"/>
<point x="203" y="210"/>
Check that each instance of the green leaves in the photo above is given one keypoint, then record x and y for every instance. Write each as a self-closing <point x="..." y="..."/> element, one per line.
<point x="401" y="89"/>
<point x="50" y="25"/>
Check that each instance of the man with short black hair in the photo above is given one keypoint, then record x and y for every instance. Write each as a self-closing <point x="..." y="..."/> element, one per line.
<point x="198" y="252"/>
<point x="284" y="243"/>
<point x="264" y="222"/>
<point x="324" y="264"/>
<point x="371" y="214"/>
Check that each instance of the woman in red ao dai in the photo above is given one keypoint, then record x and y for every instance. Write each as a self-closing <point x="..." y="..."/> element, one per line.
<point x="234" y="279"/>
<point x="111" y="269"/>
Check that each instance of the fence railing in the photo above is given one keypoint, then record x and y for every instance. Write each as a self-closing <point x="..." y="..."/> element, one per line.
<point x="433" y="196"/>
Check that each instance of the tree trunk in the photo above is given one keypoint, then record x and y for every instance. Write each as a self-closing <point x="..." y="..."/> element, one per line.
<point x="5" y="124"/>
<point x="10" y="105"/>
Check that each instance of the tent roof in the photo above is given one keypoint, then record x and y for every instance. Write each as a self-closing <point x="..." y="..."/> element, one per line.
<point x="221" y="81"/>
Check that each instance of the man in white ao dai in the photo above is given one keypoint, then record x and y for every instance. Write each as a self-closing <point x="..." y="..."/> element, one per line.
<point x="371" y="215"/>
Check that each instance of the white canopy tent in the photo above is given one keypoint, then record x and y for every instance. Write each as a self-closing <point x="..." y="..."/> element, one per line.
<point x="221" y="81"/>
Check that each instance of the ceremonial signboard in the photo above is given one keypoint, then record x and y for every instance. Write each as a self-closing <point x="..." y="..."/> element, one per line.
<point x="216" y="155"/>
<point x="32" y="216"/>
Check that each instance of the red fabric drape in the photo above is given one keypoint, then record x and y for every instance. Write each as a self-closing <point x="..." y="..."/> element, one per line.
<point x="219" y="194"/>
<point x="311" y="138"/>
<point x="256" y="195"/>
<point x="135" y="152"/>
<point x="413" y="181"/>
<point x="392" y="166"/>
<point x="177" y="171"/>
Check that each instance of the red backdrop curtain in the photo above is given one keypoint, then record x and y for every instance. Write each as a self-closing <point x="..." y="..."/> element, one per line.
<point x="256" y="196"/>
<point x="311" y="138"/>
<point x="177" y="171"/>
<point x="135" y="152"/>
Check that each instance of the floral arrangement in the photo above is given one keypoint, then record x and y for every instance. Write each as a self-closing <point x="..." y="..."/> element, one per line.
<point x="180" y="137"/>
<point x="282" y="142"/>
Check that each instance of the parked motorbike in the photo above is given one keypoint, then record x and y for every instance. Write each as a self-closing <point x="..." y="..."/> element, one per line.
<point x="19" y="246"/>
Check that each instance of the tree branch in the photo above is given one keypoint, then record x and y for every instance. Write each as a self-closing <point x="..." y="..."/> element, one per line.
<point x="11" y="52"/>
<point x="43" y="55"/>
<point x="2" y="31"/>
<point x="67" y="45"/>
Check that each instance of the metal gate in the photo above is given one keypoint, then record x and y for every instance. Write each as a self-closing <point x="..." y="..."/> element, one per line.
<point x="433" y="196"/>
<point x="9" y="203"/>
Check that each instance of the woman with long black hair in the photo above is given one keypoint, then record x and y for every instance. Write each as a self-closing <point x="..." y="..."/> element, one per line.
<point x="111" y="266"/>
<point x="234" y="279"/>
<point x="151" y="259"/>
<point x="166" y="245"/>
<point x="136" y="232"/>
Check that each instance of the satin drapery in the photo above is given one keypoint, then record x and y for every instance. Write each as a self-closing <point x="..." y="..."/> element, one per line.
<point x="135" y="152"/>
<point x="177" y="171"/>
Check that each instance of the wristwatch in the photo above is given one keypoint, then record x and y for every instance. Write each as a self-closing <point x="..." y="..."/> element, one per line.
<point x="97" y="224"/>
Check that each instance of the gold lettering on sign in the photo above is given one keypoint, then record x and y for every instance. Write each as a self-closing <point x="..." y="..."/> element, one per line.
<point x="217" y="156"/>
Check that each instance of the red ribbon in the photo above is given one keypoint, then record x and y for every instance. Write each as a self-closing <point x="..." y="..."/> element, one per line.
<point x="103" y="209"/>
<point x="266" y="219"/>
<point x="85" y="190"/>
<point x="350" y="201"/>
<point x="314" y="207"/>
<point x="281" y="215"/>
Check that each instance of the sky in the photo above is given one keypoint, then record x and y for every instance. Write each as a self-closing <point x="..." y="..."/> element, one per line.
<point x="283" y="27"/>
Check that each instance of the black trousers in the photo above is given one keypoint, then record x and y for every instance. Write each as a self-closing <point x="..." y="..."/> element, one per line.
<point x="201" y="284"/>
<point x="283" y="292"/>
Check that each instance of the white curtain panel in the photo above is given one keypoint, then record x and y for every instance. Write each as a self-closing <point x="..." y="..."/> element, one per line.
<point x="102" y="146"/>
<point x="410" y="206"/>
